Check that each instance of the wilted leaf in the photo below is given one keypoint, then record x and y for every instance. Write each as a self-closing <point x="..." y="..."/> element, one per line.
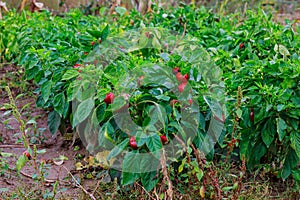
<point x="58" y="162"/>
<point x="101" y="158"/>
<point x="79" y="166"/>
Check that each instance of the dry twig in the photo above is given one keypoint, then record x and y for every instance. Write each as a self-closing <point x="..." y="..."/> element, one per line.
<point x="80" y="186"/>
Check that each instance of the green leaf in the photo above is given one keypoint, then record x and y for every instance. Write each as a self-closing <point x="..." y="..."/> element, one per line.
<point x="291" y="161"/>
<point x="46" y="90"/>
<point x="129" y="178"/>
<point x="199" y="175"/>
<point x="149" y="180"/>
<point x="141" y="138"/>
<point x="268" y="133"/>
<point x="105" y="134"/>
<point x="21" y="162"/>
<point x="59" y="103"/>
<point x="239" y="112"/>
<point x="118" y="149"/>
<point x="120" y="10"/>
<point x="53" y="122"/>
<point x="281" y="126"/>
<point x="153" y="142"/>
<point x="155" y="43"/>
<point x="225" y="189"/>
<point x="118" y="103"/>
<point x="70" y="74"/>
<point x="95" y="33"/>
<point x="83" y="111"/>
<point x="280" y="107"/>
<point x="4" y="190"/>
<point x="130" y="167"/>
<point x="296" y="174"/>
<point x="105" y="33"/>
<point x="283" y="50"/>
<point x="295" y="142"/>
<point x="4" y="154"/>
<point x="258" y="151"/>
<point x="143" y="41"/>
<point x="131" y="162"/>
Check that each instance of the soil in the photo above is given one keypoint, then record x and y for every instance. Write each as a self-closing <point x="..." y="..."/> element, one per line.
<point x="10" y="137"/>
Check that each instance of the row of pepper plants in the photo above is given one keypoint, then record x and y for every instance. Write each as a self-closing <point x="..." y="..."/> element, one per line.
<point x="260" y="65"/>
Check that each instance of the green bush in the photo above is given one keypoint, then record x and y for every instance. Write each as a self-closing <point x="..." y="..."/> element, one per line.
<point x="259" y="60"/>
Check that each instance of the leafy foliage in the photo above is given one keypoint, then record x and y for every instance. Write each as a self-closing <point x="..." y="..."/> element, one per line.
<point x="254" y="53"/>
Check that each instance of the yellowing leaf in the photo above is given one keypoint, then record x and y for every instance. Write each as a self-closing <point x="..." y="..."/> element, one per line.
<point x="101" y="158"/>
<point x="79" y="166"/>
<point x="202" y="192"/>
<point x="180" y="168"/>
<point x="90" y="160"/>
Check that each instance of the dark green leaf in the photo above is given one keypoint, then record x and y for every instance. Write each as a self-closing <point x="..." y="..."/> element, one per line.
<point x="53" y="122"/>
<point x="105" y="33"/>
<point x="153" y="142"/>
<point x="118" y="149"/>
<point x="281" y="126"/>
<point x="291" y="161"/>
<point x="59" y="103"/>
<point x="149" y="180"/>
<point x="46" y="90"/>
<point x="129" y="178"/>
<point x="72" y="73"/>
<point x="268" y="132"/>
<point x="95" y="33"/>
<point x="295" y="142"/>
<point x="83" y="111"/>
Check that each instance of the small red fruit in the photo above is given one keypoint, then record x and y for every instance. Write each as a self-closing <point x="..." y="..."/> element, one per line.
<point x="185" y="77"/>
<point x="76" y="66"/>
<point x="140" y="80"/>
<point x="92" y="43"/>
<point x="173" y="102"/>
<point x="109" y="99"/>
<point x="190" y="101"/>
<point x="132" y="22"/>
<point x="27" y="154"/>
<point x="179" y="76"/>
<point x="175" y="70"/>
<point x="163" y="139"/>
<point x="86" y="53"/>
<point x="181" y="87"/>
<point x="242" y="45"/>
<point x="252" y="116"/>
<point x="132" y="143"/>
<point x="147" y="34"/>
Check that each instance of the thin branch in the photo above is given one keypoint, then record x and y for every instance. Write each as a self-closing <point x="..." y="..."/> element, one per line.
<point x="184" y="146"/>
<point x="165" y="175"/>
<point x="98" y="183"/>
<point x="80" y="186"/>
<point x="145" y="191"/>
<point x="46" y="180"/>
